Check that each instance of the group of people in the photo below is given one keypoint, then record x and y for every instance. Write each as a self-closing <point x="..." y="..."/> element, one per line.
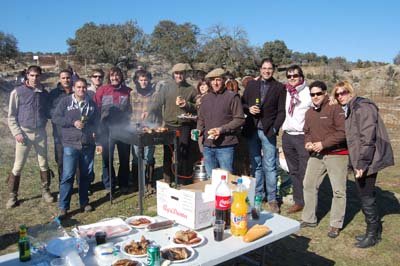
<point x="321" y="135"/>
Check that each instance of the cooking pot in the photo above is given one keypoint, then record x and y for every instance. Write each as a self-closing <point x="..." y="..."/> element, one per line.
<point x="199" y="172"/>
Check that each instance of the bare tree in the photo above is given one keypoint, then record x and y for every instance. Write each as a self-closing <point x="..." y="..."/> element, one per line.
<point x="226" y="48"/>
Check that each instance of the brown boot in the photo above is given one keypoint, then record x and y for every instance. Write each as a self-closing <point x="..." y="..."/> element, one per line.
<point x="45" y="179"/>
<point x="13" y="185"/>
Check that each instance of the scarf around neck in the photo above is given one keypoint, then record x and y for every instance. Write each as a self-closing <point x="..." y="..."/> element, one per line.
<point x="294" y="95"/>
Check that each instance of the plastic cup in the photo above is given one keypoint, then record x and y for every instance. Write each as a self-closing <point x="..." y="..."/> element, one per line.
<point x="194" y="134"/>
<point x="58" y="262"/>
<point x="100" y="237"/>
<point x="219" y="228"/>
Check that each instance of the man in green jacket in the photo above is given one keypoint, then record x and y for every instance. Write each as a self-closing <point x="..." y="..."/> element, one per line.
<point x="177" y="97"/>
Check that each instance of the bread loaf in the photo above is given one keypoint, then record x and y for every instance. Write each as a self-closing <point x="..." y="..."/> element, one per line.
<point x="256" y="232"/>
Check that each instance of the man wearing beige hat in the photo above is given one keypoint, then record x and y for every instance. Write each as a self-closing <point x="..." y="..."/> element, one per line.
<point x="220" y="118"/>
<point x="177" y="97"/>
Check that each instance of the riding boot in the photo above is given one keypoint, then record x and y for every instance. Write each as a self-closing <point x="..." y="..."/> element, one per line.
<point x="380" y="228"/>
<point x="45" y="179"/>
<point x="13" y="185"/>
<point x="370" y="210"/>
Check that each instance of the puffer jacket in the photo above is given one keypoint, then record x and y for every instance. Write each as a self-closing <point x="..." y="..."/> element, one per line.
<point x="367" y="139"/>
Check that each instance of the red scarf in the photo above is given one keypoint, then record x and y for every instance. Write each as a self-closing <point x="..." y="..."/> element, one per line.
<point x="294" y="96"/>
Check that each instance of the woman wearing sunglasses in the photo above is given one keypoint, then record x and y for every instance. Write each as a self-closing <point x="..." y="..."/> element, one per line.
<point x="369" y="151"/>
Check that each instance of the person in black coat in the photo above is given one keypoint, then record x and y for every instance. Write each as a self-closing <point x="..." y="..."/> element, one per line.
<point x="264" y="104"/>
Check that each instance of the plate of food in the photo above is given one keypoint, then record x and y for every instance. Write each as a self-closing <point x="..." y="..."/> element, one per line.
<point x="126" y="262"/>
<point x="177" y="253"/>
<point x="112" y="227"/>
<point x="187" y="116"/>
<point x="140" y="222"/>
<point x="188" y="238"/>
<point x="136" y="249"/>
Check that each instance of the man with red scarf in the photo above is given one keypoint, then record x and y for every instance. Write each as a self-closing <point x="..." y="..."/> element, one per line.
<point x="298" y="101"/>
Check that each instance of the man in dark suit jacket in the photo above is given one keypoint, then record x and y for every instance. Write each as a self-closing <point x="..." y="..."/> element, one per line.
<point x="264" y="104"/>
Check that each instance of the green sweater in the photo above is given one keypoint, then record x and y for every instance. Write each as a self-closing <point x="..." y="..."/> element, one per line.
<point x="166" y="100"/>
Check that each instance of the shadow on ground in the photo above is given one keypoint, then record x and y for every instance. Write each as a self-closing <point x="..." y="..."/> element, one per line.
<point x="386" y="200"/>
<point x="291" y="250"/>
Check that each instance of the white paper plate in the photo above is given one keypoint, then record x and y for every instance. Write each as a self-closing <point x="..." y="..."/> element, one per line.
<point x="172" y="240"/>
<point x="124" y="243"/>
<point x="138" y="262"/>
<point x="151" y="219"/>
<point x="191" y="250"/>
<point x="57" y="246"/>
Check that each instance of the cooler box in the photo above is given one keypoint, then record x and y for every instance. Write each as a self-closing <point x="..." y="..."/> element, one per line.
<point x="189" y="205"/>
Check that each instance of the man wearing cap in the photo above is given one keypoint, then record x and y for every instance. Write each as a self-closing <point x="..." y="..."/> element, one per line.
<point x="264" y="104"/>
<point x="177" y="97"/>
<point x="220" y="118"/>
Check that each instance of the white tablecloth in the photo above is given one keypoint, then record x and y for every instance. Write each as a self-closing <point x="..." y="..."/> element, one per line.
<point x="209" y="253"/>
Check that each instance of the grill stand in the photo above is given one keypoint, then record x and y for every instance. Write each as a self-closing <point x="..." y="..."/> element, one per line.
<point x="133" y="138"/>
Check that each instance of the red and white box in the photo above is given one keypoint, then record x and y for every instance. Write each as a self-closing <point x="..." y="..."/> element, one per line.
<point x="188" y="205"/>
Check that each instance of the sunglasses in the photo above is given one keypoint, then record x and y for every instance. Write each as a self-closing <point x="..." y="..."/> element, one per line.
<point x="342" y="93"/>
<point x="97" y="76"/>
<point x="316" y="94"/>
<point x="295" y="76"/>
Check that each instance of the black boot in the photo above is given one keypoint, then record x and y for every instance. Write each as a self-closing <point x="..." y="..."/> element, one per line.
<point x="370" y="211"/>
<point x="135" y="178"/>
<point x="149" y="177"/>
<point x="361" y="237"/>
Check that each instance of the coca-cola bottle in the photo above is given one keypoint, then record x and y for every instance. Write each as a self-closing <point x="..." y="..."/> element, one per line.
<point x="223" y="202"/>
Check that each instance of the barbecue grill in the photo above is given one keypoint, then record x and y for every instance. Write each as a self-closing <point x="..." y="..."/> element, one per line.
<point x="135" y="135"/>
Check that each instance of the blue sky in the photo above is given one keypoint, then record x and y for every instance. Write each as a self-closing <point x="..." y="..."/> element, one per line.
<point x="355" y="29"/>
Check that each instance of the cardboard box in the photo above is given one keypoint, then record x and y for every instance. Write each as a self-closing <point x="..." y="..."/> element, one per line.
<point x="188" y="205"/>
<point x="193" y="205"/>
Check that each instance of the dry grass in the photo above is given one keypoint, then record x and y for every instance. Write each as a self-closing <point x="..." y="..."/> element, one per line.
<point x="307" y="247"/>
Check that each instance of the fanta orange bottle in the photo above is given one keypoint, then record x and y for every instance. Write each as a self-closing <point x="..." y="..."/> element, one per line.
<point x="239" y="210"/>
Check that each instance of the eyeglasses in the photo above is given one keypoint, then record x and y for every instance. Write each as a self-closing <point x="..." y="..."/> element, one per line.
<point x="295" y="76"/>
<point x="342" y="93"/>
<point x="316" y="94"/>
<point x="97" y="76"/>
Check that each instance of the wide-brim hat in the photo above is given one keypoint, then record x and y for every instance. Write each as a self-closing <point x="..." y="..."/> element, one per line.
<point x="218" y="72"/>
<point x="180" y="67"/>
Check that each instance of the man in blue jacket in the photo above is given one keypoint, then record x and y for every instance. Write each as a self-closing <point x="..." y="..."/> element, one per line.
<point x="78" y="117"/>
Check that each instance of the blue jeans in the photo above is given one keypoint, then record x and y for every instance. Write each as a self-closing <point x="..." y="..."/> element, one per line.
<point x="221" y="157"/>
<point x="263" y="168"/>
<point x="148" y="154"/>
<point x="71" y="159"/>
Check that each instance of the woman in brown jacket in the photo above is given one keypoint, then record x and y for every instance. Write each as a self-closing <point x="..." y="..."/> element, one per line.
<point x="370" y="151"/>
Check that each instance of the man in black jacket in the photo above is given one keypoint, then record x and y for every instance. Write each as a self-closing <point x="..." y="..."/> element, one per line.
<point x="264" y="104"/>
<point x="63" y="89"/>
